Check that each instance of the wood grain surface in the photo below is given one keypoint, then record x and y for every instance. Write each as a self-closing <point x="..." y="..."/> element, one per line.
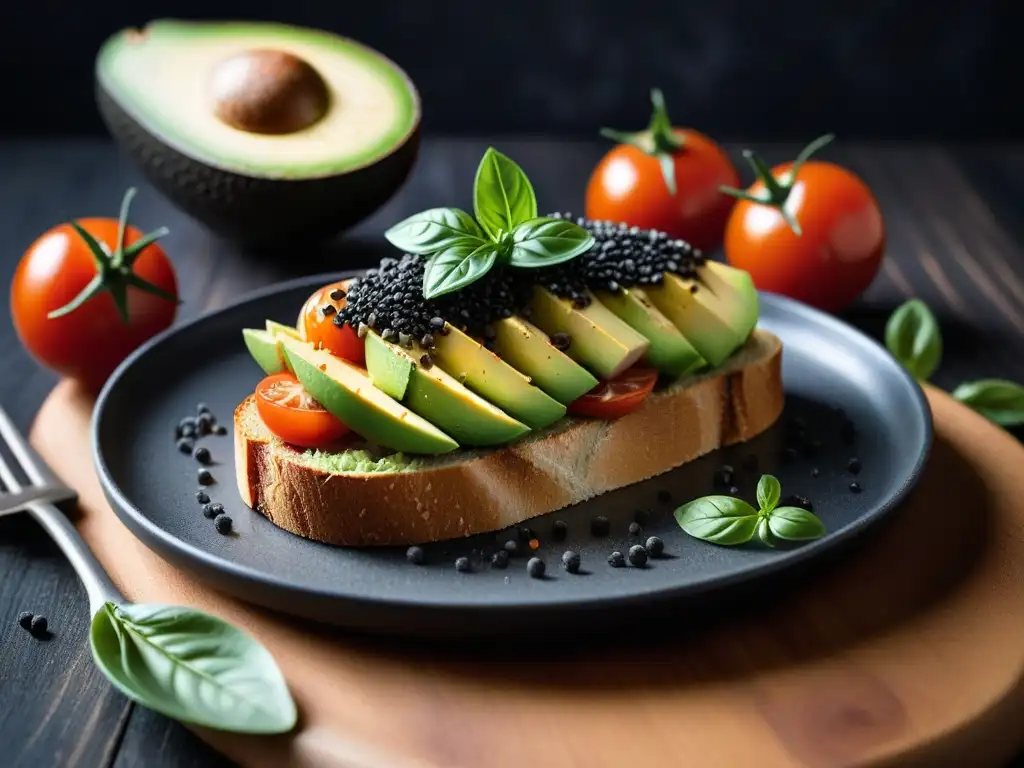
<point x="955" y="225"/>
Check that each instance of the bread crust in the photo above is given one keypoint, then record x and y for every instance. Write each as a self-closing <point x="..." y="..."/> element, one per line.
<point x="493" y="489"/>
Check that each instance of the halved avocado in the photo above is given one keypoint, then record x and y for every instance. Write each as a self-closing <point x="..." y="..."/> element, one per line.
<point x="439" y="398"/>
<point x="347" y="392"/>
<point x="599" y="340"/>
<point x="670" y="352"/>
<point x="492" y="378"/>
<point x="267" y="133"/>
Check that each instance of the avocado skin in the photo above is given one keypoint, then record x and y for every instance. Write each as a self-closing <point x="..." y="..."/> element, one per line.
<point x="256" y="212"/>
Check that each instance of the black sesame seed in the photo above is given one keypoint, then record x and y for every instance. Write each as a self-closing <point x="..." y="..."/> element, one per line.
<point x="328" y="309"/>
<point x="189" y="430"/>
<point x="535" y="567"/>
<point x="571" y="561"/>
<point x="634" y="529"/>
<point x="185" y="445"/>
<point x="223" y="524"/>
<point x="599" y="526"/>
<point x="693" y="288"/>
<point x="733" y="490"/>
<point x="853" y="466"/>
<point x="205" y="477"/>
<point x="723" y="475"/>
<point x="428" y="341"/>
<point x="38" y="626"/>
<point x="213" y="509"/>
<point x="202" y="408"/>
<point x="25" y="619"/>
<point x="426" y="361"/>
<point x="655" y="546"/>
<point x="337" y="294"/>
<point x="815" y="472"/>
<point x="220" y="429"/>
<point x="855" y="487"/>
<point x="512" y="547"/>
<point x="462" y="564"/>
<point x="561" y="341"/>
<point x="204" y="424"/>
<point x="637" y="555"/>
<point x="499" y="559"/>
<point x="415" y="555"/>
<point x="202" y="455"/>
<point x="525" y="534"/>
<point x="616" y="560"/>
<point x="559" y="530"/>
<point x="664" y="496"/>
<point x="437" y="323"/>
<point x="795" y="500"/>
<point x="202" y="497"/>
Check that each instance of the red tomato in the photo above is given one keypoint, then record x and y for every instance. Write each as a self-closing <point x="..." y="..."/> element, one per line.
<point x="319" y="328"/>
<point x="835" y="249"/>
<point x="630" y="184"/>
<point x="100" y="319"/>
<point x="290" y="413"/>
<point x="617" y="397"/>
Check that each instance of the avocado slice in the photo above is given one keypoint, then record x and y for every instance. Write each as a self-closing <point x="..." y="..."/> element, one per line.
<point x="265" y="132"/>
<point x="439" y="398"/>
<point x="389" y="372"/>
<point x="347" y="392"/>
<point x="263" y="347"/>
<point x="715" y="323"/>
<point x="735" y="288"/>
<point x="528" y="349"/>
<point x="275" y="328"/>
<point x="492" y="378"/>
<point x="599" y="340"/>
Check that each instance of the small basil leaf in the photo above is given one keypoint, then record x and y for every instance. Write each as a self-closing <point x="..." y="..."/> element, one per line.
<point x="457" y="266"/>
<point x="718" y="519"/>
<point x="432" y="230"/>
<point x="542" y="242"/>
<point x="763" y="532"/>
<point x="912" y="336"/>
<point x="502" y="194"/>
<point x="795" y="524"/>
<point x="768" y="492"/>
<point x="998" y="400"/>
<point x="192" y="667"/>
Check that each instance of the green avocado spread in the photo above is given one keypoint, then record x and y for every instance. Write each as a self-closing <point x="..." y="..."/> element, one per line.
<point x="358" y="461"/>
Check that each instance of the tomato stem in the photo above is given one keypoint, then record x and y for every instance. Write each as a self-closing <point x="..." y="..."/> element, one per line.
<point x="114" y="270"/>
<point x="659" y="139"/>
<point x="776" y="190"/>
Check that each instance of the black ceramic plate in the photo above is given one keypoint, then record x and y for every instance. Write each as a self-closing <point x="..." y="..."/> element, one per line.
<point x="827" y="366"/>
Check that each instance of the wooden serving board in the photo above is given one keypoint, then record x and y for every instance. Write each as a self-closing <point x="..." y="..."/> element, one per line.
<point x="906" y="651"/>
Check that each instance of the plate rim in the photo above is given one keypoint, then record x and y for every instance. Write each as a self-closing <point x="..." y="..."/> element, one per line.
<point x="246" y="580"/>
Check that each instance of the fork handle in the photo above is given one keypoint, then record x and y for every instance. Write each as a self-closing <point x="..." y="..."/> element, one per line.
<point x="98" y="585"/>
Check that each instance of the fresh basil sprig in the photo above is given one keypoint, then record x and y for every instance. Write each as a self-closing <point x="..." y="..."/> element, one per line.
<point x="730" y="521"/>
<point x="192" y="667"/>
<point x="506" y="230"/>
<point x="913" y="337"/>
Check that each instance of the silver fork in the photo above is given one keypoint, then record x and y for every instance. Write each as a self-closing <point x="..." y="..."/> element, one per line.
<point x="39" y="498"/>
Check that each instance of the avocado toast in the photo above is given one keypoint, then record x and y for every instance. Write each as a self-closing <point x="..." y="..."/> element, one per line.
<point x="504" y="367"/>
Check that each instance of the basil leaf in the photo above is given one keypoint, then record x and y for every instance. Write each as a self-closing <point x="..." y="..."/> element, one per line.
<point x="432" y="230"/>
<point x="192" y="667"/>
<point x="768" y="492"/>
<point x="502" y="194"/>
<point x="998" y="400"/>
<point x="795" y="524"/>
<point x="457" y="266"/>
<point x="912" y="336"/>
<point x="542" y="242"/>
<point x="718" y="519"/>
<point x="764" y="534"/>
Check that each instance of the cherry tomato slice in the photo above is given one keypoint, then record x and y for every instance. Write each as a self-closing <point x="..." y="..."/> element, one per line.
<point x="290" y="413"/>
<point x="318" y="326"/>
<point x="617" y="397"/>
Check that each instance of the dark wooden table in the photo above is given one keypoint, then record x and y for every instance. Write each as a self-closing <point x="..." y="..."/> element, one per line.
<point x="955" y="219"/>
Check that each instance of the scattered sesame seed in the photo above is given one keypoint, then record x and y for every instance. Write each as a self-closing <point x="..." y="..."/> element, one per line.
<point x="655" y="546"/>
<point x="815" y="472"/>
<point x="855" y="487"/>
<point x="202" y="455"/>
<point x="724" y="475"/>
<point x="637" y="555"/>
<point x="571" y="561"/>
<point x="795" y="500"/>
<point x="512" y="547"/>
<point x="535" y="567"/>
<point x="328" y="309"/>
<point x="500" y="559"/>
<point x="415" y="555"/>
<point x="616" y="560"/>
<point x="223" y="524"/>
<point x="559" y="530"/>
<point x="185" y="445"/>
<point x="25" y="619"/>
<point x="427" y="361"/>
<point x="337" y="294"/>
<point x="599" y="526"/>
<point x="733" y="490"/>
<point x="220" y="429"/>
<point x="561" y="341"/>
<point x="213" y="509"/>
<point x="202" y="408"/>
<point x="462" y="564"/>
<point x="853" y="466"/>
<point x="205" y="477"/>
<point x="38" y="626"/>
<point x="635" y="529"/>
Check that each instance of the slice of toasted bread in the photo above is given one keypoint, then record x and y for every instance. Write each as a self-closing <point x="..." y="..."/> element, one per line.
<point x="470" y="492"/>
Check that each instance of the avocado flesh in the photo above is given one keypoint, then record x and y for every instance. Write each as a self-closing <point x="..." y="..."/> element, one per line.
<point x="702" y="317"/>
<point x="347" y="392"/>
<point x="160" y="78"/>
<point x="264" y="350"/>
<point x="599" y="340"/>
<point x="275" y="328"/>
<point x="389" y="372"/>
<point x="528" y="349"/>
<point x="670" y="353"/>
<point x="495" y="380"/>
<point x="736" y="291"/>
<point x="443" y="401"/>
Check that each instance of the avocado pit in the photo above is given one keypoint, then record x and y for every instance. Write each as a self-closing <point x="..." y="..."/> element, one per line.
<point x="268" y="92"/>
